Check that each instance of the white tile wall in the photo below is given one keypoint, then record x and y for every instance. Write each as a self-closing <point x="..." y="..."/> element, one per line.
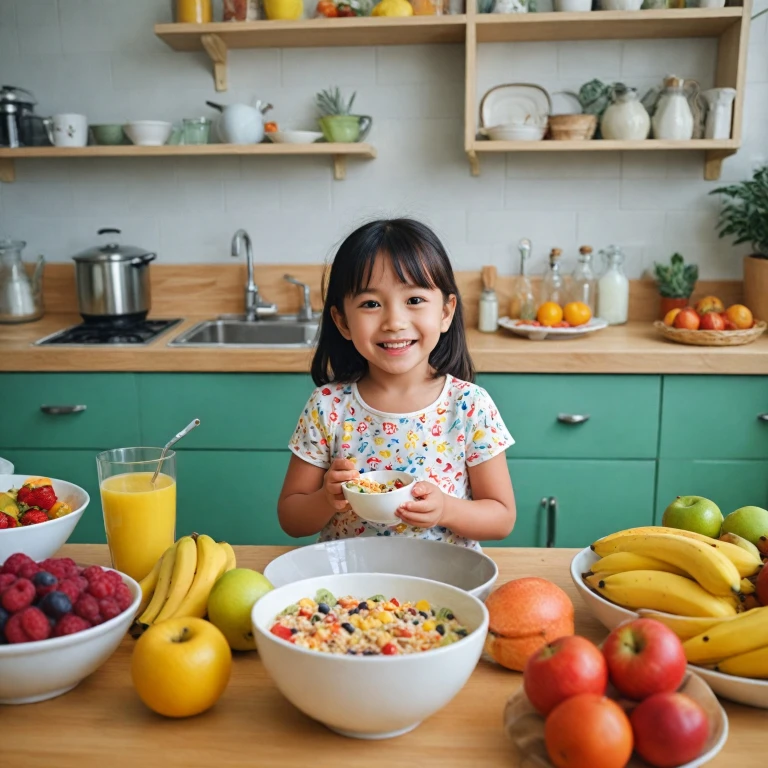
<point x="100" y="57"/>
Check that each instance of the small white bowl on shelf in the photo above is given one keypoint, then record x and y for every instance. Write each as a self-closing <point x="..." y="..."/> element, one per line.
<point x="380" y="507"/>
<point x="572" y="6"/>
<point x="512" y="132"/>
<point x="294" y="137"/>
<point x="148" y="133"/>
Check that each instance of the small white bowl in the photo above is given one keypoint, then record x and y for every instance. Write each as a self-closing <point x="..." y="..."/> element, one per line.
<point x="461" y="567"/>
<point x="370" y="697"/>
<point x="514" y="132"/>
<point x="380" y="507"/>
<point x="6" y="468"/>
<point x="294" y="137"/>
<point x="148" y="133"/>
<point x="43" y="539"/>
<point x="31" y="672"/>
<point x="571" y="6"/>
<point x="740" y="689"/>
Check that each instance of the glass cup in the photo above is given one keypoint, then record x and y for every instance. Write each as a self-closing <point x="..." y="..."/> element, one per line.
<point x="139" y="517"/>
<point x="196" y="130"/>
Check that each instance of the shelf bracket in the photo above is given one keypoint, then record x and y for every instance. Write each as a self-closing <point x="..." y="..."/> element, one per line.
<point x="216" y="49"/>
<point x="7" y="169"/>
<point x="474" y="162"/>
<point x="713" y="162"/>
<point x="339" y="167"/>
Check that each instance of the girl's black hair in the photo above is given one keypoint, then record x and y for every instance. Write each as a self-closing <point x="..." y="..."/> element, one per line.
<point x="418" y="256"/>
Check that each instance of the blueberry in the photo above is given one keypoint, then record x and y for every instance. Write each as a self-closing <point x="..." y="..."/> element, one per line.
<point x="55" y="604"/>
<point x="294" y="631"/>
<point x="363" y="606"/>
<point x="370" y="653"/>
<point x="323" y="607"/>
<point x="424" y="614"/>
<point x="440" y="629"/>
<point x="3" y="618"/>
<point x="354" y="611"/>
<point x="346" y="625"/>
<point x="44" y="579"/>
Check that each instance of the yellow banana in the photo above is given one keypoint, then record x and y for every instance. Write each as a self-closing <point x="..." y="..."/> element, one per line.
<point x="211" y="562"/>
<point x="183" y="576"/>
<point x="685" y="627"/>
<point x="713" y="570"/>
<point x="747" y="587"/>
<point x="747" y="632"/>
<point x="619" y="562"/>
<point x="740" y="541"/>
<point x="161" y="590"/>
<point x="744" y="560"/>
<point x="230" y="555"/>
<point x="661" y="591"/>
<point x="752" y="664"/>
<point x="148" y="584"/>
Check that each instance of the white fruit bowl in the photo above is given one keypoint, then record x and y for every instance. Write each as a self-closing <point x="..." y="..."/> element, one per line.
<point x="31" y="672"/>
<point x="467" y="569"/>
<point x="740" y="689"/>
<point x="44" y="539"/>
<point x="148" y="133"/>
<point x="380" y="507"/>
<point x="370" y="697"/>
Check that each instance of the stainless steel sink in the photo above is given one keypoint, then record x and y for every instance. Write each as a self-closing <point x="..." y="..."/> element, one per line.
<point x="279" y="332"/>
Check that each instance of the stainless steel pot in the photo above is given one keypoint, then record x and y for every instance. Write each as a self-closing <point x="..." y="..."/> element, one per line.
<point x="113" y="282"/>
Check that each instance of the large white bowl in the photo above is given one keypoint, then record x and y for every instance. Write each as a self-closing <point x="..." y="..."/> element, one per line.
<point x="6" y="468"/>
<point x="380" y="507"/>
<point x="31" y="672"/>
<point x="148" y="133"/>
<point x="44" y="539"/>
<point x="467" y="569"/>
<point x="740" y="689"/>
<point x="370" y="697"/>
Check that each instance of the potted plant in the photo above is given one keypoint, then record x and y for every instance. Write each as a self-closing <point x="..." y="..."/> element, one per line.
<point x="675" y="282"/>
<point x="744" y="215"/>
<point x="337" y="122"/>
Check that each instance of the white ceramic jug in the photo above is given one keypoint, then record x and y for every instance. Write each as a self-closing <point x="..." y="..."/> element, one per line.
<point x="626" y="119"/>
<point x="673" y="119"/>
<point x="241" y="123"/>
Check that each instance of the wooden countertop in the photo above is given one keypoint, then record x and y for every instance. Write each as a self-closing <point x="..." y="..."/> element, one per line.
<point x="632" y="348"/>
<point x="103" y="722"/>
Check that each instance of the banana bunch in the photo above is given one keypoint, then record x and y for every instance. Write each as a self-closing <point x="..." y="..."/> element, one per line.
<point x="181" y="580"/>
<point x="694" y="579"/>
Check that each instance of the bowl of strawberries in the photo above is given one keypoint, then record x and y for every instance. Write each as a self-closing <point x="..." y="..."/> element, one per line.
<point x="37" y="514"/>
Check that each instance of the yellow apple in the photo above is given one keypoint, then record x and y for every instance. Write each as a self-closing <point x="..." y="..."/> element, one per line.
<point x="180" y="667"/>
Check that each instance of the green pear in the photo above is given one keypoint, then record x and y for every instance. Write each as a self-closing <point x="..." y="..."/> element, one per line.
<point x="230" y="603"/>
<point x="694" y="513"/>
<point x="8" y="505"/>
<point x="751" y="523"/>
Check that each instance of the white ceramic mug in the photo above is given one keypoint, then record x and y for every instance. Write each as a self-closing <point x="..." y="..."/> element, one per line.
<point x="67" y="130"/>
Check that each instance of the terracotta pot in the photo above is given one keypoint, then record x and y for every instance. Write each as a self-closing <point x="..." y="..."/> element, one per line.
<point x="756" y="286"/>
<point x="668" y="303"/>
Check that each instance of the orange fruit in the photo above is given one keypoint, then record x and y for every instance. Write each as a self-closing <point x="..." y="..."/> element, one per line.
<point x="588" y="731"/>
<point x="669" y="318"/>
<point x="740" y="316"/>
<point x="549" y="313"/>
<point x="577" y="313"/>
<point x="709" y="304"/>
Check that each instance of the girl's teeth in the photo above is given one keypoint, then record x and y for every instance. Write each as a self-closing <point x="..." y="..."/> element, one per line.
<point x="398" y="345"/>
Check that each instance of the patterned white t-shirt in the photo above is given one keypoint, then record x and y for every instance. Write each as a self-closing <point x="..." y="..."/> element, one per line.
<point x="460" y="429"/>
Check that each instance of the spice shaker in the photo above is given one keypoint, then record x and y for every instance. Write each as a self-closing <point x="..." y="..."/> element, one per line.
<point x="488" y="316"/>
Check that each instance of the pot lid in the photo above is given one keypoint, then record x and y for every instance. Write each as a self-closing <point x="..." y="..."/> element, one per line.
<point x="111" y="251"/>
<point x="10" y="93"/>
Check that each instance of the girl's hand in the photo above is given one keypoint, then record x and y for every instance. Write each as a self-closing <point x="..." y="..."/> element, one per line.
<point x="427" y="510"/>
<point x="340" y="471"/>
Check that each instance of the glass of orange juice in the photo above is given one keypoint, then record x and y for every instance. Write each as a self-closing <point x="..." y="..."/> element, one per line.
<point x="139" y="516"/>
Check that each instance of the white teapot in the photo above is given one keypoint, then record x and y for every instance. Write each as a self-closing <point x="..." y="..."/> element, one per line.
<point x="240" y="123"/>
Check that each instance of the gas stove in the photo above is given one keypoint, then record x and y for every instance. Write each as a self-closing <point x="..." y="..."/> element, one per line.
<point x="93" y="334"/>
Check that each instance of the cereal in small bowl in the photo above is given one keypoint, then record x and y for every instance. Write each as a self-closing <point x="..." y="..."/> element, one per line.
<point x="376" y="496"/>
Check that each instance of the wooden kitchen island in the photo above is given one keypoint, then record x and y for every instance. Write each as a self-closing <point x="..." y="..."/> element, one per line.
<point x="102" y="722"/>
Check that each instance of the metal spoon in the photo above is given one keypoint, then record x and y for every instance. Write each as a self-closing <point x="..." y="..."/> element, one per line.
<point x="192" y="424"/>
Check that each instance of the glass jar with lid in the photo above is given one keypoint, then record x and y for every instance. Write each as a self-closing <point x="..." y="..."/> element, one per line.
<point x="583" y="280"/>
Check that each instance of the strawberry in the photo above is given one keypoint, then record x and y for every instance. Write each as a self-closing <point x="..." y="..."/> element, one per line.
<point x="34" y="516"/>
<point x="37" y="492"/>
<point x="6" y="521"/>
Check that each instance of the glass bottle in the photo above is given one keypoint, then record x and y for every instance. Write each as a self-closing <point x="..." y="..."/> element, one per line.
<point x="553" y="282"/>
<point x="613" y="288"/>
<point x="583" y="280"/>
<point x="522" y="305"/>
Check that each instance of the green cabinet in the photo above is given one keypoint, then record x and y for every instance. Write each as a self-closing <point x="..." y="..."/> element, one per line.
<point x="730" y="484"/>
<point x="592" y="498"/>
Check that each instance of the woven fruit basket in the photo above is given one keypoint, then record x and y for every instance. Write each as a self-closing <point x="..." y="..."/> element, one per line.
<point x="711" y="338"/>
<point x="572" y="127"/>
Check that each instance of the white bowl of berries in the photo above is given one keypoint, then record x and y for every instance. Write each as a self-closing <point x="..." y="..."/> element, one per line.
<point x="59" y="622"/>
<point x="37" y="514"/>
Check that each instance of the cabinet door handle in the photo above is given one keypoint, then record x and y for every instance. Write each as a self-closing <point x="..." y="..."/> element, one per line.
<point x="551" y="521"/>
<point x="62" y="410"/>
<point x="572" y="418"/>
<point x="762" y="416"/>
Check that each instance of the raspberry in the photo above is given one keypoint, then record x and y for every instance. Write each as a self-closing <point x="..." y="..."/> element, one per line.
<point x="70" y="589"/>
<point x="7" y="521"/>
<point x="15" y="561"/>
<point x="92" y="572"/>
<point x="114" y="577"/>
<point x="28" y="570"/>
<point x="34" y="516"/>
<point x="55" y="568"/>
<point x="6" y="579"/>
<point x="101" y="588"/>
<point x="109" y="608"/>
<point x="14" y="632"/>
<point x="69" y="625"/>
<point x="27" y="626"/>
<point x="87" y="607"/>
<point x="123" y="597"/>
<point x="18" y="596"/>
<point x="55" y="604"/>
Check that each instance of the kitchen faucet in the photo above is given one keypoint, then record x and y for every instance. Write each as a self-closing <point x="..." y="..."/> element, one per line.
<point x="254" y="306"/>
<point x="305" y="312"/>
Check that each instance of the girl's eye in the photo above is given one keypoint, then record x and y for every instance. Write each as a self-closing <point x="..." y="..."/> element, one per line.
<point x="370" y="304"/>
<point x="416" y="300"/>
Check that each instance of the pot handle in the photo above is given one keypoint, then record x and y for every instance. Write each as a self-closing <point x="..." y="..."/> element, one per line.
<point x="140" y="261"/>
<point x="365" y="125"/>
<point x="109" y="231"/>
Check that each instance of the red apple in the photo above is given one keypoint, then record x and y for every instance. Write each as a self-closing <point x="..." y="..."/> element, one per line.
<point x="712" y="321"/>
<point x="644" y="657"/>
<point x="729" y="324"/>
<point x="687" y="318"/>
<point x="564" y="668"/>
<point x="761" y="587"/>
<point x="670" y="729"/>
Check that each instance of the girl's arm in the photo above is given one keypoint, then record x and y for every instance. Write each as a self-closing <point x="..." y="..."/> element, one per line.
<point x="311" y="496"/>
<point x="488" y="515"/>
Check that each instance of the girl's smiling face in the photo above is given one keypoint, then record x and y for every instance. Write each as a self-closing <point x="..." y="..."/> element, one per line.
<point x="394" y="325"/>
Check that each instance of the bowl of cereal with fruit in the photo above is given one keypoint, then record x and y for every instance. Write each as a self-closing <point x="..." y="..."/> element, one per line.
<point x="376" y="496"/>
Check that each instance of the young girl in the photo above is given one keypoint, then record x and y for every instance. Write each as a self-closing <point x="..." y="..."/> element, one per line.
<point x="394" y="392"/>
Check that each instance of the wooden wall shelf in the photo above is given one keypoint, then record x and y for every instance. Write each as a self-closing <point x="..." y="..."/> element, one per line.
<point x="338" y="153"/>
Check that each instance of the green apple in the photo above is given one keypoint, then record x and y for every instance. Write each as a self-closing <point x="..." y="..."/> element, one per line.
<point x="694" y="513"/>
<point x="751" y="523"/>
<point x="230" y="603"/>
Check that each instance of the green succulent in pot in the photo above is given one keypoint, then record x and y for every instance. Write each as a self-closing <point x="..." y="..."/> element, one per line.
<point x="675" y="282"/>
